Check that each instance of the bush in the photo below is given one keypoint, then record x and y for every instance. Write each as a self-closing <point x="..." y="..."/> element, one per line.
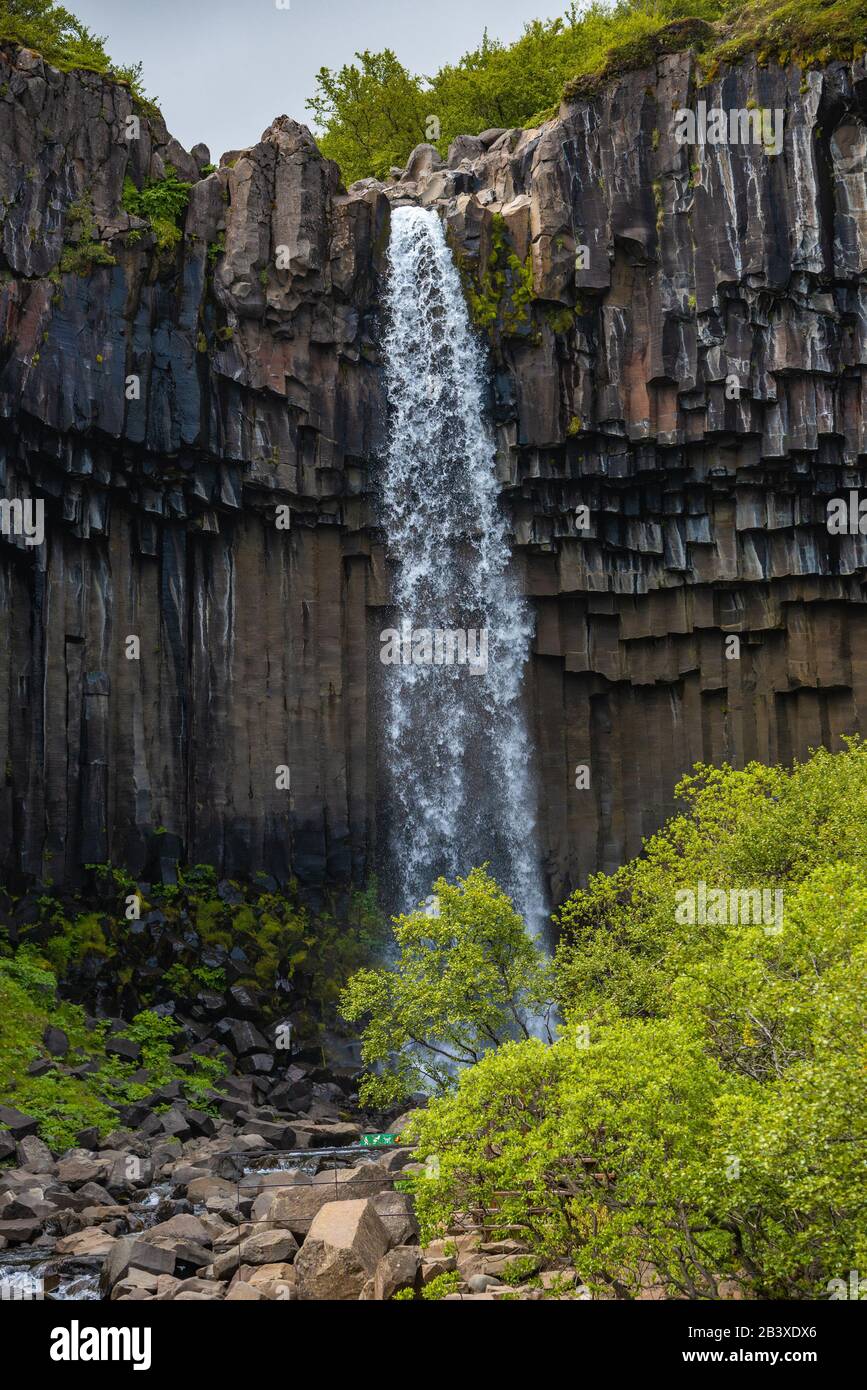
<point x="699" y="1125"/>
<point x="63" y="41"/>
<point x="441" y="1285"/>
<point x="63" y="1105"/>
<point x="464" y="981"/>
<point x="162" y="203"/>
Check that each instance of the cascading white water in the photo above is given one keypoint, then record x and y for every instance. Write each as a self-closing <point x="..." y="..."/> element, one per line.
<point x="456" y="739"/>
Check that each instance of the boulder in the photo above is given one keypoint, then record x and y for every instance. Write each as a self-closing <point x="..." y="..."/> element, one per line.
<point x="480" y="1283"/>
<point x="397" y="1213"/>
<point x="182" y="1229"/>
<point x="296" y="1206"/>
<point x="123" y="1048"/>
<point x="276" y="1281"/>
<point x="464" y="147"/>
<point x="20" y="1232"/>
<point x="136" y="1279"/>
<point x="175" y="1123"/>
<point x="55" y="1041"/>
<point x="18" y="1124"/>
<point x="132" y="1252"/>
<point x="335" y="1134"/>
<point x="266" y="1247"/>
<point x="129" y="1172"/>
<point x="34" y="1155"/>
<point x="201" y="1189"/>
<point x="26" y="1204"/>
<point x="490" y="137"/>
<point x="398" y="1269"/>
<point x="274" y="1135"/>
<point x="342" y="1250"/>
<point x="211" y="1287"/>
<point x="92" y="1242"/>
<point x="241" y="1036"/>
<point x="424" y="160"/>
<point x="79" y="1167"/>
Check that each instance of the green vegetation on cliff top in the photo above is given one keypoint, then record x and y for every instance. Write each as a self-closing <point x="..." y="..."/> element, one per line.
<point x="372" y="112"/>
<point x="66" y="43"/>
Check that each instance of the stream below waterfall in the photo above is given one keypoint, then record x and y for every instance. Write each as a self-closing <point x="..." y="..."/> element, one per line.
<point x="32" y="1272"/>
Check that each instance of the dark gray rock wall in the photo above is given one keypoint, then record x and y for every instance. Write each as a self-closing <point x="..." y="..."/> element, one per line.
<point x="259" y="388"/>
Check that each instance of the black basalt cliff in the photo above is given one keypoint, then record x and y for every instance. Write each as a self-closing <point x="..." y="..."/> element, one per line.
<point x="698" y="384"/>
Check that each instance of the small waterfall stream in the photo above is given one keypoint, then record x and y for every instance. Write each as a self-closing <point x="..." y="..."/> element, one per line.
<point x="456" y="740"/>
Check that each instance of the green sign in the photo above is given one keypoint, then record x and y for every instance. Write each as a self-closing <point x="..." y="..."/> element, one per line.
<point x="375" y="1141"/>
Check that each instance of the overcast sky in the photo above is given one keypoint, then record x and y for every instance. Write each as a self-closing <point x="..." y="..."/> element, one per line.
<point x="223" y="69"/>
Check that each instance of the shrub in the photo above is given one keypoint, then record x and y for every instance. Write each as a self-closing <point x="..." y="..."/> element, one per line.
<point x="62" y="1104"/>
<point x="699" y="1123"/>
<point x="441" y="1285"/>
<point x="63" y="41"/>
<point x="373" y="112"/>
<point x="162" y="203"/>
<point x="85" y="251"/>
<point x="463" y="981"/>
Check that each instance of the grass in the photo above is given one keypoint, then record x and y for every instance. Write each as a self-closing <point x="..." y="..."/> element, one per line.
<point x="67" y="44"/>
<point x="807" y="32"/>
<point x="64" y="1105"/>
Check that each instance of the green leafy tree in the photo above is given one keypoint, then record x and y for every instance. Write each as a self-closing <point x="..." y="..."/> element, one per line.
<point x="699" y="1126"/>
<point x="463" y="981"/>
<point x="372" y="112"/>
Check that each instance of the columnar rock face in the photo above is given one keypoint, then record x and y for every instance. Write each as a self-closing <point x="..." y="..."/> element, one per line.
<point x="679" y="386"/>
<point x="163" y="408"/>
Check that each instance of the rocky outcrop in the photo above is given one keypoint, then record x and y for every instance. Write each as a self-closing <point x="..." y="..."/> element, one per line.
<point x="682" y="395"/>
<point x="163" y="407"/>
<point x="675" y="403"/>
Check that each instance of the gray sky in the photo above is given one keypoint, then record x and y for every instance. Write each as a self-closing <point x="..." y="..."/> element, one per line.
<point x="223" y="69"/>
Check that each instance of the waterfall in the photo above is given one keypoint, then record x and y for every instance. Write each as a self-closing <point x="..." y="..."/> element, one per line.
<point x="456" y="742"/>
